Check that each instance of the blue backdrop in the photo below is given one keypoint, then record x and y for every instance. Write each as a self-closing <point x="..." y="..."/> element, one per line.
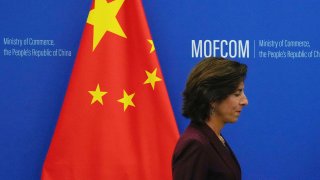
<point x="277" y="135"/>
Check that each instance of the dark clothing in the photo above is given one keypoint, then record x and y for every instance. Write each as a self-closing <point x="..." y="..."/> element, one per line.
<point x="200" y="155"/>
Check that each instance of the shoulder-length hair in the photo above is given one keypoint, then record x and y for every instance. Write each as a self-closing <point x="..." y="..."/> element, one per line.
<point x="211" y="80"/>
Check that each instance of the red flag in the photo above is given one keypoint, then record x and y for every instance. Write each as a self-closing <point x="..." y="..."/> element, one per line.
<point x="116" y="121"/>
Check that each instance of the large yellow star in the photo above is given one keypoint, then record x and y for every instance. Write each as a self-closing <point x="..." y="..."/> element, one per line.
<point x="152" y="78"/>
<point x="152" y="45"/>
<point x="97" y="95"/>
<point x="126" y="100"/>
<point x="103" y="18"/>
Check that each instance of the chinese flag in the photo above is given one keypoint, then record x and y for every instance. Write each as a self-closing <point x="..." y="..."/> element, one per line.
<point x="116" y="121"/>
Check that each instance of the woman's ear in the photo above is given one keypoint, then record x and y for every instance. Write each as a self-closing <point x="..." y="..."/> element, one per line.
<point x="213" y="105"/>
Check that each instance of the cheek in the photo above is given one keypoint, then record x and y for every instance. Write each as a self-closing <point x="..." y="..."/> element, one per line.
<point x="229" y="107"/>
<point x="226" y="109"/>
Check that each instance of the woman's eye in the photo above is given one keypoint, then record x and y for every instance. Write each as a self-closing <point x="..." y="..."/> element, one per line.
<point x="237" y="94"/>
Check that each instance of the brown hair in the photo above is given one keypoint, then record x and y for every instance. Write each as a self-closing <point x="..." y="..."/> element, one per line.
<point x="211" y="80"/>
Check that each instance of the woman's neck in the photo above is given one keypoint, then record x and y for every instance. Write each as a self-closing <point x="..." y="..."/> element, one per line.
<point x="216" y="125"/>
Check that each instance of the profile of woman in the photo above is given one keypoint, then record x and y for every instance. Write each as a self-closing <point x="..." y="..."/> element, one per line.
<point x="213" y="96"/>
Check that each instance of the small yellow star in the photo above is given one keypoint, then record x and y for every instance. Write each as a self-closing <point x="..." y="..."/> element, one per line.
<point x="152" y="78"/>
<point x="97" y="95"/>
<point x="103" y="18"/>
<point x="152" y="45"/>
<point x="126" y="100"/>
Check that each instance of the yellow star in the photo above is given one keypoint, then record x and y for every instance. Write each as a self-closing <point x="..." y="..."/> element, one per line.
<point x="97" y="95"/>
<point x="152" y="45"/>
<point x="152" y="78"/>
<point x="126" y="100"/>
<point x="103" y="18"/>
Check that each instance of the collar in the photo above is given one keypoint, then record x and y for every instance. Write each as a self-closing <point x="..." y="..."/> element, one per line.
<point x="225" y="152"/>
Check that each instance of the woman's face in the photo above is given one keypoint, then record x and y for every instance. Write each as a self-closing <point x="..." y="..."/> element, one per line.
<point x="229" y="109"/>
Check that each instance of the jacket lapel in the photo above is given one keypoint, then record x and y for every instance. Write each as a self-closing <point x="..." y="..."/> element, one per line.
<point x="224" y="153"/>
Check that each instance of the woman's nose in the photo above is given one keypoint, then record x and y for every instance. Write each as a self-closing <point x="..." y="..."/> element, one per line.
<point x="244" y="100"/>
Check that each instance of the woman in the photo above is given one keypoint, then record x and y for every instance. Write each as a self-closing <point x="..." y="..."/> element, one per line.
<point x="214" y="96"/>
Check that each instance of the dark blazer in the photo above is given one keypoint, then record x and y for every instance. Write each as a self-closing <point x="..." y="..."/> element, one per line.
<point x="200" y="155"/>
